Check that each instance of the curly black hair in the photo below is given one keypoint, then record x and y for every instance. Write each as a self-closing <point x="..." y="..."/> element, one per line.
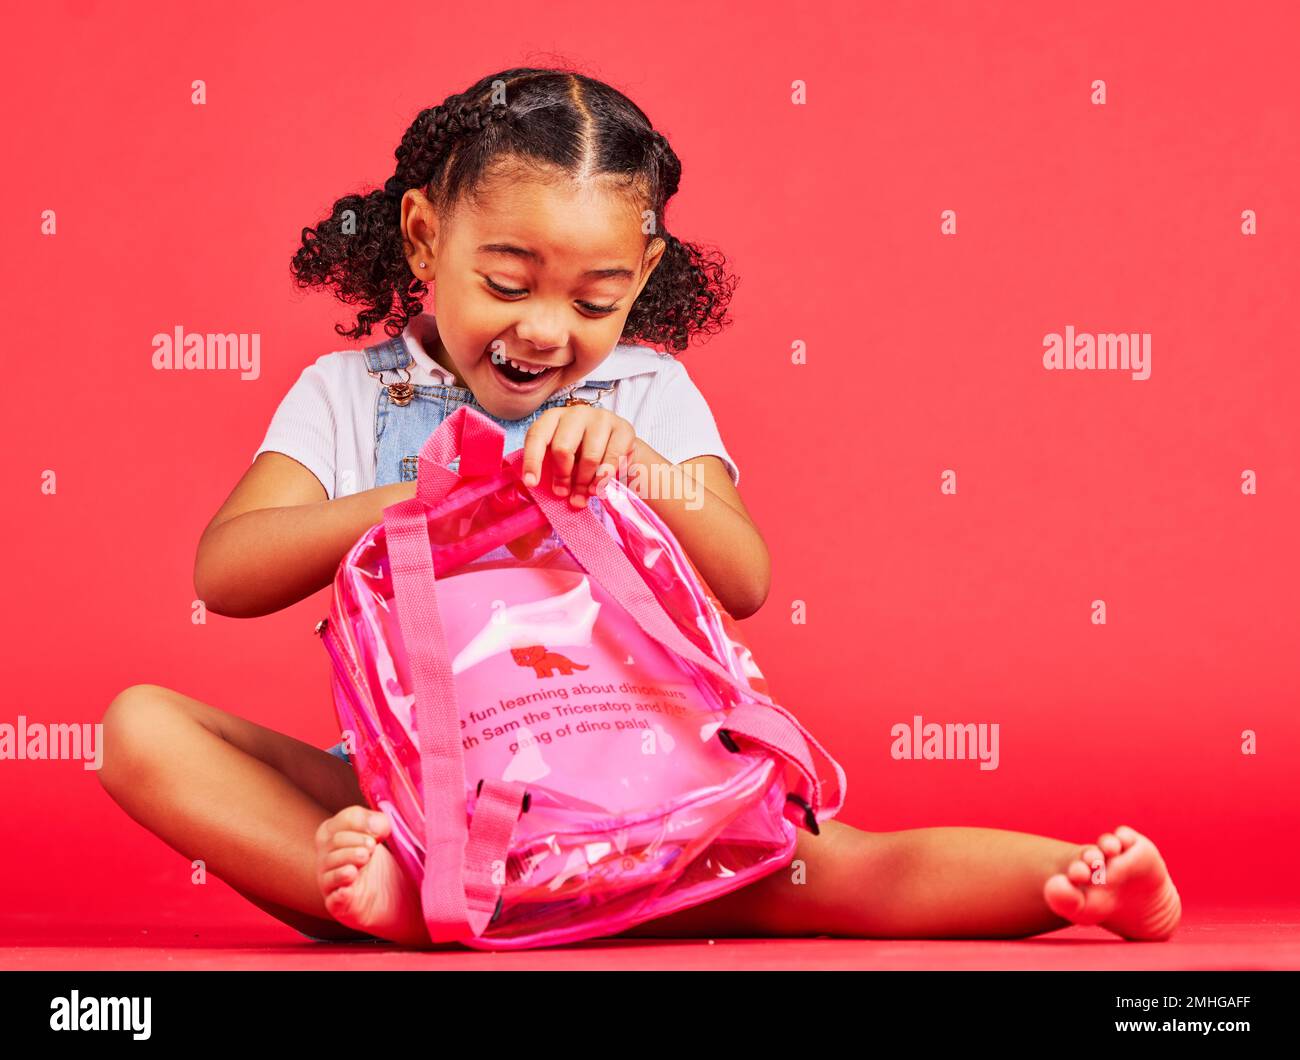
<point x="547" y="120"/>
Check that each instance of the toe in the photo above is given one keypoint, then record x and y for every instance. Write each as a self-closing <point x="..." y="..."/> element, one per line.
<point x="345" y="856"/>
<point x="1078" y="872"/>
<point x="353" y="818"/>
<point x="1126" y="835"/>
<point x="377" y="823"/>
<point x="336" y="878"/>
<point x="339" y="903"/>
<point x="1110" y="843"/>
<point x="345" y="838"/>
<point x="1095" y="862"/>
<point x="1062" y="897"/>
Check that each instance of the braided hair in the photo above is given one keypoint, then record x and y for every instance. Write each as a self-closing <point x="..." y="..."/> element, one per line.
<point x="529" y="120"/>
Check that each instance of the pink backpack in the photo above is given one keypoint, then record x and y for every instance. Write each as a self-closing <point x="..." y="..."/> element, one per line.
<point x="564" y="726"/>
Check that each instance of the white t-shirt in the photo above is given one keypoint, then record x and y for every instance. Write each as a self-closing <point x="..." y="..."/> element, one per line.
<point x="327" y="419"/>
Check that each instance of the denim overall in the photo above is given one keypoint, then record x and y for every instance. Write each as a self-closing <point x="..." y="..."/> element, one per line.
<point x="401" y="430"/>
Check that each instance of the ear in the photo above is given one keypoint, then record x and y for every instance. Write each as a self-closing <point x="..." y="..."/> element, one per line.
<point x="420" y="227"/>
<point x="653" y="255"/>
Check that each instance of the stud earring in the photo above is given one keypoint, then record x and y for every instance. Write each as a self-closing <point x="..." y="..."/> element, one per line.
<point x="421" y="264"/>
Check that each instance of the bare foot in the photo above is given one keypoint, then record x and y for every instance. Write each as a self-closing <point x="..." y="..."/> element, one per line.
<point x="363" y="886"/>
<point x="1127" y="891"/>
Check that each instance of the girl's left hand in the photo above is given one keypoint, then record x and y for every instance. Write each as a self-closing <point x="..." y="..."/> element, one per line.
<point x="587" y="446"/>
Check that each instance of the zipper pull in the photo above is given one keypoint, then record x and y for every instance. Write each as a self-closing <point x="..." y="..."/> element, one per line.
<point x="320" y="626"/>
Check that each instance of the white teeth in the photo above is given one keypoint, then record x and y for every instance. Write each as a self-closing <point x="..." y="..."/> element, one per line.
<point x="526" y="368"/>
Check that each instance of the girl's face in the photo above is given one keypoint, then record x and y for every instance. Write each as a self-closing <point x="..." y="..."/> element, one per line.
<point x="541" y="273"/>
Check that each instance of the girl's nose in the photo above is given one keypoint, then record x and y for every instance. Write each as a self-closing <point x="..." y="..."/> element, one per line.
<point x="541" y="330"/>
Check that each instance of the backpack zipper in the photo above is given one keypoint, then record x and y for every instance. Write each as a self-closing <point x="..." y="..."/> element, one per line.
<point x="342" y="663"/>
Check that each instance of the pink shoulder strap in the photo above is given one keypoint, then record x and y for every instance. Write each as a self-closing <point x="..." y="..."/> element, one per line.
<point x="463" y="864"/>
<point x="765" y="722"/>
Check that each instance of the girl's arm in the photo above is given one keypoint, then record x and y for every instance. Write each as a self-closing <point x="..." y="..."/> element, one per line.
<point x="279" y="538"/>
<point x="707" y="516"/>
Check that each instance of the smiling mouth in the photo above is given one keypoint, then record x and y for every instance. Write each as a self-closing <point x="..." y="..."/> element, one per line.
<point x="522" y="379"/>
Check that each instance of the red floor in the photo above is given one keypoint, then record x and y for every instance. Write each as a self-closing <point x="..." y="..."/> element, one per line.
<point x="1207" y="939"/>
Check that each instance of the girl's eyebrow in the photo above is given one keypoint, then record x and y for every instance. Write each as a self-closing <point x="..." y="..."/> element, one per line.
<point x="532" y="255"/>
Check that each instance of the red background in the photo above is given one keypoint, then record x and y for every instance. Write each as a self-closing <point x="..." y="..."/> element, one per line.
<point x="924" y="353"/>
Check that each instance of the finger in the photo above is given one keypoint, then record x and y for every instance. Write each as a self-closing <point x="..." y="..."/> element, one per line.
<point x="536" y="442"/>
<point x="564" y="447"/>
<point x="618" y="449"/>
<point x="594" y="443"/>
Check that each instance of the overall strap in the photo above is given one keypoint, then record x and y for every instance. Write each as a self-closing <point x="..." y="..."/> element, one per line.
<point x="392" y="356"/>
<point x="592" y="390"/>
<point x="387" y="356"/>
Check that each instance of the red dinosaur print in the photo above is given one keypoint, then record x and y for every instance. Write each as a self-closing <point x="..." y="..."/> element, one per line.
<point x="543" y="661"/>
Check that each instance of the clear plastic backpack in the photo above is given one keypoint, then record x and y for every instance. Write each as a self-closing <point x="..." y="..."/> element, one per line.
<point x="563" y="724"/>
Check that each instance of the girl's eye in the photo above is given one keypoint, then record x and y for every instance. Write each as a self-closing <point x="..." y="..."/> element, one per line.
<point x="519" y="290"/>
<point x="503" y="290"/>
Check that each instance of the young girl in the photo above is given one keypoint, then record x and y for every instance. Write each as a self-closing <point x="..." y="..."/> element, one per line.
<point x="533" y="205"/>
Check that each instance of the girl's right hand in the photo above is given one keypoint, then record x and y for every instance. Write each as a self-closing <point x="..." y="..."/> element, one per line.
<point x="586" y="445"/>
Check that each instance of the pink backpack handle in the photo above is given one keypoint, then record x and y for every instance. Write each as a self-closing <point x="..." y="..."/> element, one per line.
<point x="476" y="439"/>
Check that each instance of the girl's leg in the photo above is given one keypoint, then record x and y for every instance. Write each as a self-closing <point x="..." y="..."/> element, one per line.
<point x="243" y="798"/>
<point x="921" y="883"/>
